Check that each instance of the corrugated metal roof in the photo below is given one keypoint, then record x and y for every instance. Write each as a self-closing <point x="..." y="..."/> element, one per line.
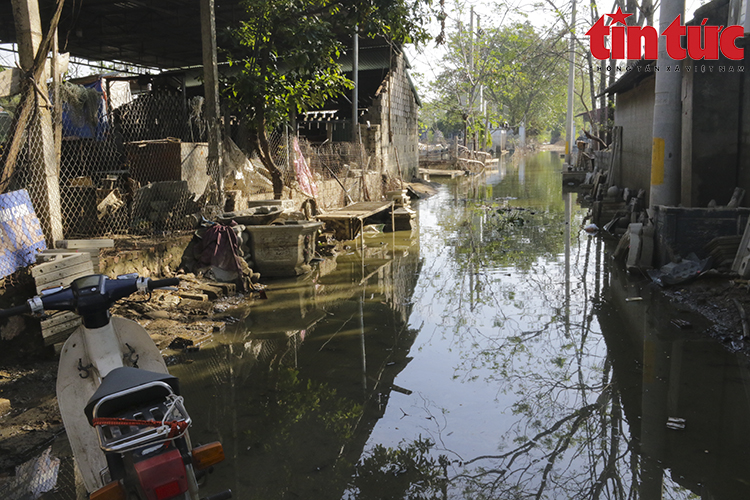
<point x="639" y="71"/>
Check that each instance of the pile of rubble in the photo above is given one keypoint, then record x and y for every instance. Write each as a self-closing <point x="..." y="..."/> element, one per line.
<point x="180" y="320"/>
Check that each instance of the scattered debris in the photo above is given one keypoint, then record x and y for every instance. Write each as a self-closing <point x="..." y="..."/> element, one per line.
<point x="681" y="324"/>
<point x="675" y="423"/>
<point x="680" y="272"/>
<point x="743" y="318"/>
<point x="180" y="343"/>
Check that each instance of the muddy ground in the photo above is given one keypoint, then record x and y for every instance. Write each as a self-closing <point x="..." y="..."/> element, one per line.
<point x="724" y="300"/>
<point x="179" y="321"/>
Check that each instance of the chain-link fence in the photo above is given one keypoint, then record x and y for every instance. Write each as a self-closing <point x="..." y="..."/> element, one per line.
<point x="136" y="161"/>
<point x="344" y="163"/>
<point x="128" y="162"/>
<point x="50" y="475"/>
<point x="338" y="159"/>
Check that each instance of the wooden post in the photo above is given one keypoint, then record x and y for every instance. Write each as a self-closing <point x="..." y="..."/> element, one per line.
<point x="44" y="185"/>
<point x="211" y="90"/>
<point x="57" y="97"/>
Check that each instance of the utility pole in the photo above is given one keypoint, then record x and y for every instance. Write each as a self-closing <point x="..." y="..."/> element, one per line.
<point x="667" y="131"/>
<point x="571" y="81"/>
<point x="355" y="91"/>
<point x="471" y="43"/>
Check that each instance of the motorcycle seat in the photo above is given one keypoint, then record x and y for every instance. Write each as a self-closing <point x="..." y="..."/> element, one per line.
<point x="138" y="387"/>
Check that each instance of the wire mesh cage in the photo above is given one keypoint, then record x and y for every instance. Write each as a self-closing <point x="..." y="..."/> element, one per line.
<point x="50" y="475"/>
<point x="128" y="162"/>
<point x="137" y="162"/>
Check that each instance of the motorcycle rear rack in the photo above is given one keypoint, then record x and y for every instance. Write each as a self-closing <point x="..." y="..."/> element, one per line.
<point x="124" y="438"/>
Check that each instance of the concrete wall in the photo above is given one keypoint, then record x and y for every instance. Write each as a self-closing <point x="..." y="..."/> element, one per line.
<point x="395" y="138"/>
<point x="715" y="152"/>
<point x="710" y="134"/>
<point x="331" y="195"/>
<point x="634" y="112"/>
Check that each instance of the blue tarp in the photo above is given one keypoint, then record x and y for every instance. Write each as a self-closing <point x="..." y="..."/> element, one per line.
<point x="21" y="236"/>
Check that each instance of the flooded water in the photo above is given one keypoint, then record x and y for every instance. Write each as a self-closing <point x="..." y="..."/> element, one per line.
<point x="495" y="353"/>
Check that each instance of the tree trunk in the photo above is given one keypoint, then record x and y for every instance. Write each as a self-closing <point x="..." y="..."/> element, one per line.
<point x="263" y="148"/>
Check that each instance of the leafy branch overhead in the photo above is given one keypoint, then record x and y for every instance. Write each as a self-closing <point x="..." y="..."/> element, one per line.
<point x="285" y="53"/>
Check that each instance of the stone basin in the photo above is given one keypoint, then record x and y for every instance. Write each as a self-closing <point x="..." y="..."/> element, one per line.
<point x="283" y="249"/>
<point x="256" y="216"/>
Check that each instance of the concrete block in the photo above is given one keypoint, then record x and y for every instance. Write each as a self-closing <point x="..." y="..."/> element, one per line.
<point x="212" y="292"/>
<point x="200" y="297"/>
<point x="283" y="250"/>
<point x="286" y="205"/>
<point x="228" y="289"/>
<point x="635" y="230"/>
<point x="646" y="260"/>
<point x="744" y="269"/>
<point x="196" y="306"/>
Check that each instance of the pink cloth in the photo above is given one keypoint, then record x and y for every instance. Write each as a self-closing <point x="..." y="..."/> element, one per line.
<point x="221" y="249"/>
<point x="305" y="178"/>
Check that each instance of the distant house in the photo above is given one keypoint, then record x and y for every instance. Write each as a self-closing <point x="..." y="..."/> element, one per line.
<point x="715" y="154"/>
<point x="388" y="105"/>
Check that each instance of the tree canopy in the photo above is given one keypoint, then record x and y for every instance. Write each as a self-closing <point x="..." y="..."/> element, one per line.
<point x="287" y="54"/>
<point x="515" y="73"/>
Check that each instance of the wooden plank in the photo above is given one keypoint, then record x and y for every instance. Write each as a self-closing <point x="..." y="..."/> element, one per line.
<point x="60" y="336"/>
<point x="441" y="172"/>
<point x="362" y="210"/>
<point x="91" y="251"/>
<point x="58" y="319"/>
<point x="54" y="263"/>
<point x="62" y="327"/>
<point x="743" y="249"/>
<point x="93" y="254"/>
<point x="60" y="282"/>
<point x="85" y="244"/>
<point x="70" y="272"/>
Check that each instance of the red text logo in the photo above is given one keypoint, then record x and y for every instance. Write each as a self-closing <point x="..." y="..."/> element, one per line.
<point x="634" y="42"/>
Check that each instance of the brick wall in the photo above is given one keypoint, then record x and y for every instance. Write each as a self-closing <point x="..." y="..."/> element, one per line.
<point x="392" y="135"/>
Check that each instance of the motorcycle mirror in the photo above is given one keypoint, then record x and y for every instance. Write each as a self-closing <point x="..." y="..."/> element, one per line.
<point x="129" y="276"/>
<point x="50" y="291"/>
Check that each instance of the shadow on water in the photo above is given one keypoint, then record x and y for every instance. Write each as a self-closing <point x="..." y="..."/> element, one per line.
<point x="496" y="354"/>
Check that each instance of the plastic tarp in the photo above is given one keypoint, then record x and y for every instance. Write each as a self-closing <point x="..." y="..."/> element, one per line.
<point x="305" y="178"/>
<point x="21" y="236"/>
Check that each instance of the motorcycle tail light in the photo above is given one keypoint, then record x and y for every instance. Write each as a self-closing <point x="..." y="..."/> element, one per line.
<point x="162" y="476"/>
<point x="168" y="490"/>
<point x="111" y="491"/>
<point x="207" y="455"/>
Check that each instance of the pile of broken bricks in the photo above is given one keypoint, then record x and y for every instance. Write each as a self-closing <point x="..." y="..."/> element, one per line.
<point x="183" y="319"/>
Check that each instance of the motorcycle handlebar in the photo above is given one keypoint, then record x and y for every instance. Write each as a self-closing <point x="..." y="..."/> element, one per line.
<point x="153" y="284"/>
<point x="66" y="300"/>
<point x="13" y="311"/>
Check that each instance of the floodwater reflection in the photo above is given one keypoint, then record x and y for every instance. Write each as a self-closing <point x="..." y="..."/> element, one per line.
<point x="495" y="354"/>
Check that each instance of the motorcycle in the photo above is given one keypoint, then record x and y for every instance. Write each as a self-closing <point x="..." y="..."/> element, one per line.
<point x="122" y="410"/>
